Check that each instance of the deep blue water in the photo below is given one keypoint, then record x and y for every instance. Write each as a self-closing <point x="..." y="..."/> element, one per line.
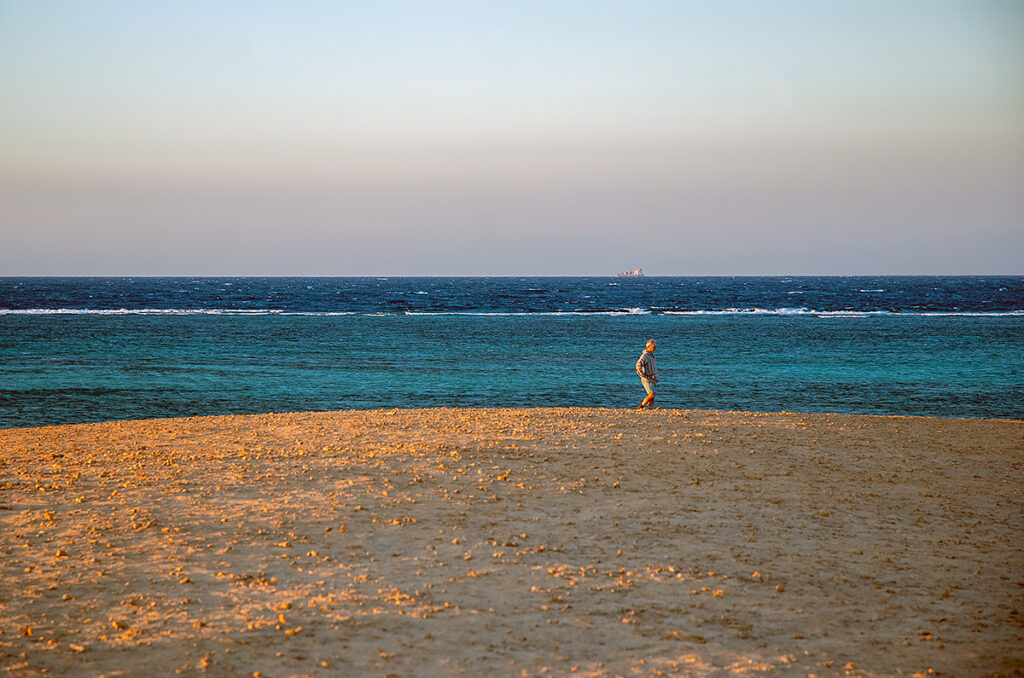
<point x="95" y="349"/>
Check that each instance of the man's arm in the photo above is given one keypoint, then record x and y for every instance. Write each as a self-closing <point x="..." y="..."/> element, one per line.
<point x="641" y="366"/>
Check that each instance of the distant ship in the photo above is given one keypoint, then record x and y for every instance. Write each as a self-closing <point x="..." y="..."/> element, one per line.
<point x="635" y="273"/>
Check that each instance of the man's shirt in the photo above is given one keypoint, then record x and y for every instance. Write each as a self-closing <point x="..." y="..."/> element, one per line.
<point x="646" y="367"/>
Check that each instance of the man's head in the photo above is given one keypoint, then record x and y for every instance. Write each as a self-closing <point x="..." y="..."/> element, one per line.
<point x="650" y="345"/>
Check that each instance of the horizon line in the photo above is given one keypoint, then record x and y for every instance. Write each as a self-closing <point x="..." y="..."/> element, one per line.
<point x="514" y="275"/>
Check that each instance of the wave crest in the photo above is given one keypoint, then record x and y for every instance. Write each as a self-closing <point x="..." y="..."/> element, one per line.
<point x="785" y="311"/>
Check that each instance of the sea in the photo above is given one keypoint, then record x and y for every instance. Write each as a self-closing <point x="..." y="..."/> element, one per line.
<point x="100" y="349"/>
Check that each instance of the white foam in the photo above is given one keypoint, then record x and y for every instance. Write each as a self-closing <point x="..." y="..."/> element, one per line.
<point x="849" y="314"/>
<point x="785" y="311"/>
<point x="516" y="314"/>
<point x="167" y="311"/>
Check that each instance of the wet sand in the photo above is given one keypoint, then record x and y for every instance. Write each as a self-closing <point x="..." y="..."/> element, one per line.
<point x="514" y="542"/>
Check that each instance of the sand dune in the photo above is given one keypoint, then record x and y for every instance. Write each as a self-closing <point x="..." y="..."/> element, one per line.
<point x="514" y="542"/>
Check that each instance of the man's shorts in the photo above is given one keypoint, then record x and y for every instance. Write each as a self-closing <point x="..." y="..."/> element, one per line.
<point x="648" y="385"/>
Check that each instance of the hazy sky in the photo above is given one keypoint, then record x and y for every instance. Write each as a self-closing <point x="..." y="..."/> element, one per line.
<point x="511" y="138"/>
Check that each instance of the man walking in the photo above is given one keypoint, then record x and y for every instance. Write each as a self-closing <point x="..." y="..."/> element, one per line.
<point x="647" y="370"/>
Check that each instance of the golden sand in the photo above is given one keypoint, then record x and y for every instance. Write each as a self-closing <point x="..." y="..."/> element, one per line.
<point x="513" y="542"/>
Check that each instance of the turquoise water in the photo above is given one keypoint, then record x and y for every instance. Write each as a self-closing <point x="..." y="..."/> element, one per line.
<point x="94" y="367"/>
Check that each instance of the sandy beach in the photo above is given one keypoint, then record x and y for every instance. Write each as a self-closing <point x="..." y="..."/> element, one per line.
<point x="514" y="542"/>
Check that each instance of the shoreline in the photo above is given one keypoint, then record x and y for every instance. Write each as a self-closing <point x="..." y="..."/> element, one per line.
<point x="567" y="541"/>
<point x="489" y="408"/>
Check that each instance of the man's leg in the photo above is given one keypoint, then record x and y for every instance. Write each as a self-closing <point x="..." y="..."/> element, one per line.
<point x="650" y="394"/>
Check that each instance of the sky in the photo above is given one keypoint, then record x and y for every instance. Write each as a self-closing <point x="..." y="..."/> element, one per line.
<point x="555" y="137"/>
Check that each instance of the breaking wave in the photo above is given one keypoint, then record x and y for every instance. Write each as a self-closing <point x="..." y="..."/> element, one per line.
<point x="787" y="311"/>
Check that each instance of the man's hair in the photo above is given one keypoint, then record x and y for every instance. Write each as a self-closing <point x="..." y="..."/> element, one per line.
<point x="651" y="341"/>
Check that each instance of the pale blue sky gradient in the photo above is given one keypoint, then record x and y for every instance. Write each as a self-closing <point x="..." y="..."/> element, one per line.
<point x="511" y="138"/>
